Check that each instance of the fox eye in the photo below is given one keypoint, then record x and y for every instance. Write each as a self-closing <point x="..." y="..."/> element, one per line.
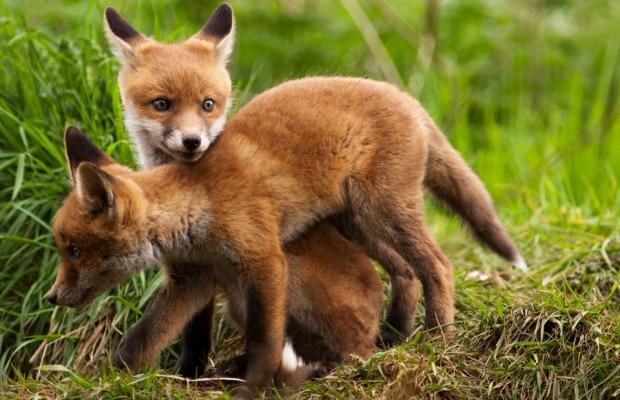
<point x="208" y="105"/>
<point x="161" y="104"/>
<point x="74" y="252"/>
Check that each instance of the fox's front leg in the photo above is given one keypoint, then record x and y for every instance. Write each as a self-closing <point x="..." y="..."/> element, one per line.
<point x="266" y="288"/>
<point x="176" y="302"/>
<point x="197" y="342"/>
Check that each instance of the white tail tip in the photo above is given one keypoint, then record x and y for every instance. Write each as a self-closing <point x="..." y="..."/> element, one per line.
<point x="290" y="361"/>
<point x="520" y="264"/>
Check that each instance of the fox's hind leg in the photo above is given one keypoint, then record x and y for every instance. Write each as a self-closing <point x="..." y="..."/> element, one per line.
<point x="404" y="283"/>
<point x="396" y="221"/>
<point x="401" y="315"/>
<point x="413" y="242"/>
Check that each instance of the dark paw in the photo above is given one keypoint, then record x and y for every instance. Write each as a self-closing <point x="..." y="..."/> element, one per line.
<point x="321" y="371"/>
<point x="233" y="367"/>
<point x="191" y="367"/>
<point x="389" y="337"/>
<point x="124" y="361"/>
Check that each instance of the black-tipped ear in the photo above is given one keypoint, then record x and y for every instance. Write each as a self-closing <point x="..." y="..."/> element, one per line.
<point x="220" y="30"/>
<point x="220" y="23"/>
<point x="119" y="27"/>
<point x="94" y="188"/>
<point x="78" y="149"/>
<point x="122" y="36"/>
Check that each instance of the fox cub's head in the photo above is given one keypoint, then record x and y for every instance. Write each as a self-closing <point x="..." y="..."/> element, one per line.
<point x="175" y="95"/>
<point x="99" y="230"/>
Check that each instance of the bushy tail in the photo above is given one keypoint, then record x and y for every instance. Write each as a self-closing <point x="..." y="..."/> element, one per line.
<point x="455" y="185"/>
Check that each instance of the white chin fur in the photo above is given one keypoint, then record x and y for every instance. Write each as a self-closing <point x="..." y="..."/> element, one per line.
<point x="216" y="128"/>
<point x="144" y="134"/>
<point x="520" y="264"/>
<point x="290" y="360"/>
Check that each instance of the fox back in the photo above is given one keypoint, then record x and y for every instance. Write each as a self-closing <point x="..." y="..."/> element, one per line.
<point x="165" y="89"/>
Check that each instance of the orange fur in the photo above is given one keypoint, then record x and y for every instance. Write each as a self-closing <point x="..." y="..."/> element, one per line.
<point x="354" y="151"/>
<point x="280" y="166"/>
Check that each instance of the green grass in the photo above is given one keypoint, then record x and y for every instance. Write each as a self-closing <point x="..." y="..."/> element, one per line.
<point x="527" y="91"/>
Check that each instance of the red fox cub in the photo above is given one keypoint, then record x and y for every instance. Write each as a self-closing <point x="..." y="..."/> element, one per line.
<point x="175" y="98"/>
<point x="332" y="267"/>
<point x="117" y="221"/>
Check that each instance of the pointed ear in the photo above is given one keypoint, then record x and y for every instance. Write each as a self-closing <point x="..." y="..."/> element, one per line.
<point x="94" y="188"/>
<point x="78" y="148"/>
<point x="122" y="37"/>
<point x="220" y="31"/>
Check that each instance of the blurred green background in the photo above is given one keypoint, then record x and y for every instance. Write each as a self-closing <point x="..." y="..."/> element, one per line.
<point x="527" y="90"/>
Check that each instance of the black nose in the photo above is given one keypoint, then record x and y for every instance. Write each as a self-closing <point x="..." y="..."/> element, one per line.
<point x="191" y="143"/>
<point x="52" y="297"/>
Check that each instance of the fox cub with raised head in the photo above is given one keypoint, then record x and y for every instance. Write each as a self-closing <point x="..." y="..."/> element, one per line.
<point x="176" y="95"/>
<point x="165" y="127"/>
<point x="117" y="221"/>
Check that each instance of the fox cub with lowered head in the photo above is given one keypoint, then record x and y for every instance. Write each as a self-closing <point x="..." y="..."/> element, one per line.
<point x="166" y="126"/>
<point x="334" y="301"/>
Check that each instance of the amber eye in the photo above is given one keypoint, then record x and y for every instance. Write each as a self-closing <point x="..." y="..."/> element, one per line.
<point x="74" y="252"/>
<point x="208" y="105"/>
<point x="161" y="104"/>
